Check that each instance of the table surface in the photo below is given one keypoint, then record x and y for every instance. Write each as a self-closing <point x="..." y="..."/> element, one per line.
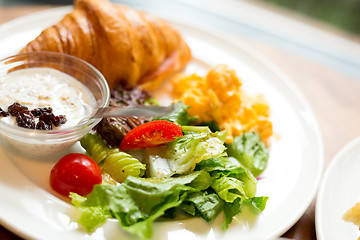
<point x="334" y="98"/>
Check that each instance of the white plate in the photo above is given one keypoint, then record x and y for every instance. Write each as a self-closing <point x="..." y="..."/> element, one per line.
<point x="31" y="209"/>
<point x="338" y="192"/>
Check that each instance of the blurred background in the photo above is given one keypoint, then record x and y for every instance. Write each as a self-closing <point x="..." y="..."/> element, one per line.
<point x="324" y="31"/>
<point x="342" y="14"/>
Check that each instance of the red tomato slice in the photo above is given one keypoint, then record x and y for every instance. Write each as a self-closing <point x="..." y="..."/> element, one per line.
<point x="151" y="134"/>
<point x="75" y="172"/>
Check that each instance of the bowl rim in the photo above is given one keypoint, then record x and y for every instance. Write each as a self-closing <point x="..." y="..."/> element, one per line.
<point x="16" y="130"/>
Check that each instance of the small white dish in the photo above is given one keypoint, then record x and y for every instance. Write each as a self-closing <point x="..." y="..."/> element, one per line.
<point x="338" y="192"/>
<point x="95" y="92"/>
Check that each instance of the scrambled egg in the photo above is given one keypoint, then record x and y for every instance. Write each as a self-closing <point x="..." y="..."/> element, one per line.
<point x="219" y="97"/>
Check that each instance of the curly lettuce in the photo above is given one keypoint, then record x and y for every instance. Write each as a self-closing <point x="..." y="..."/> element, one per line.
<point x="181" y="155"/>
<point x="119" y="165"/>
<point x="250" y="151"/>
<point x="204" y="205"/>
<point x="193" y="173"/>
<point x="193" y="147"/>
<point x="137" y="202"/>
<point x="234" y="184"/>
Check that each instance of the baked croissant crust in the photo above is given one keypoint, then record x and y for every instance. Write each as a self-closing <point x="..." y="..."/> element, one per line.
<point x="126" y="46"/>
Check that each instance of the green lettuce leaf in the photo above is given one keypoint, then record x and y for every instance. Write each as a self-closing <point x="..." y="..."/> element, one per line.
<point x="213" y="126"/>
<point x="231" y="209"/>
<point x="259" y="203"/>
<point x="137" y="202"/>
<point x="91" y="217"/>
<point x="229" y="188"/>
<point x="181" y="155"/>
<point x="234" y="208"/>
<point x="204" y="205"/>
<point x="220" y="164"/>
<point x="250" y="151"/>
<point x="179" y="115"/>
<point x="193" y="147"/>
<point x="229" y="179"/>
<point x="234" y="184"/>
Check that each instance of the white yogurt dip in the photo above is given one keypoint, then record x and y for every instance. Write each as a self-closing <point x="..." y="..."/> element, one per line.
<point x="46" y="87"/>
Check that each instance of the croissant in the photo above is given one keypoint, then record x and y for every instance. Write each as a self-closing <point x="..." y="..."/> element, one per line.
<point x="126" y="46"/>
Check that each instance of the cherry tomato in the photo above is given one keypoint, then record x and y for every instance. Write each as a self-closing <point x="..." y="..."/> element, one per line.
<point x="75" y="172"/>
<point x="151" y="134"/>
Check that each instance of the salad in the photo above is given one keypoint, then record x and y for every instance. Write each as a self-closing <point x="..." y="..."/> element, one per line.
<point x="138" y="170"/>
